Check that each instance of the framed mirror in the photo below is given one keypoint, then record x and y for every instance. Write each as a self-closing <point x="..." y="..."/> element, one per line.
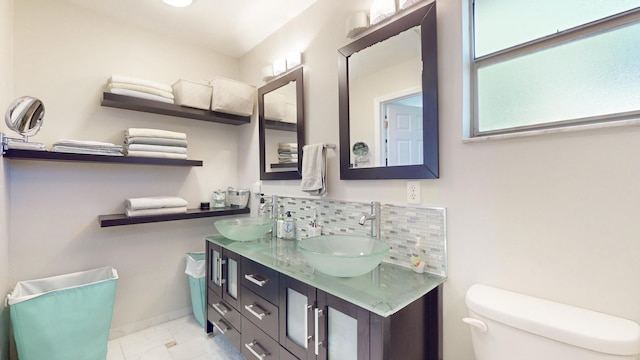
<point x="388" y="101"/>
<point x="281" y="127"/>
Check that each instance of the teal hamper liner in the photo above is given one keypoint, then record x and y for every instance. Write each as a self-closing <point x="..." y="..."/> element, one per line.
<point x="64" y="317"/>
<point x="196" y="270"/>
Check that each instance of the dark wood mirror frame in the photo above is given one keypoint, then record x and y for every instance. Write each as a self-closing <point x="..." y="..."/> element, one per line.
<point x="293" y="75"/>
<point x="425" y="17"/>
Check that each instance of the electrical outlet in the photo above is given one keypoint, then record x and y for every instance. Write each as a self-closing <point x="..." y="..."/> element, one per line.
<point x="413" y="192"/>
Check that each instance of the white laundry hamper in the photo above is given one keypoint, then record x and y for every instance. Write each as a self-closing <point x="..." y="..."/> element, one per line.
<point x="65" y="317"/>
<point x="195" y="268"/>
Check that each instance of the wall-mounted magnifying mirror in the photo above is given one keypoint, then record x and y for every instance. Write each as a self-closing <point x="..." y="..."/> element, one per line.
<point x="281" y="127"/>
<point x="388" y="93"/>
<point x="24" y="116"/>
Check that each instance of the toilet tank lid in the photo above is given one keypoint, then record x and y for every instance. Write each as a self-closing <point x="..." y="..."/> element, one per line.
<point x="565" y="323"/>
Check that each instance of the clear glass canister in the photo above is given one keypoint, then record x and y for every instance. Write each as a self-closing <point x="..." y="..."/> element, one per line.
<point x="218" y="198"/>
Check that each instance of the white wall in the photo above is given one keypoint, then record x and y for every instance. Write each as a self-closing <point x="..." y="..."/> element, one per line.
<point x="553" y="216"/>
<point x="64" y="55"/>
<point x="6" y="56"/>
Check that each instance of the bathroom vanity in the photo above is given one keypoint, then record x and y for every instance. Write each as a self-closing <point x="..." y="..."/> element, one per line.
<point x="269" y="304"/>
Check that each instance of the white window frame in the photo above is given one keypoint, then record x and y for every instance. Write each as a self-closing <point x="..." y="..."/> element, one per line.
<point x="565" y="36"/>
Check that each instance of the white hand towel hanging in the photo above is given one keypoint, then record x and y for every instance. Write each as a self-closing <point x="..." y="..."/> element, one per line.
<point x="314" y="168"/>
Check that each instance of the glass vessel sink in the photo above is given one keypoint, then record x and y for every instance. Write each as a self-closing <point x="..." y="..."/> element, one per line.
<point x="244" y="228"/>
<point x="343" y="255"/>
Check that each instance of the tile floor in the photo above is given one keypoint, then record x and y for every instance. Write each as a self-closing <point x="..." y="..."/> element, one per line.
<point x="179" y="339"/>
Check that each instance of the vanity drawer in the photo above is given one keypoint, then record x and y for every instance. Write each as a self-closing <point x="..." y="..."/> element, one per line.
<point x="261" y="279"/>
<point x="256" y="344"/>
<point x="223" y="327"/>
<point x="261" y="312"/>
<point x="222" y="309"/>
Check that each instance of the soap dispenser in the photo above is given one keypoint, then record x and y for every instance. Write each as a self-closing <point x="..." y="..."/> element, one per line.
<point x="280" y="223"/>
<point x="289" y="229"/>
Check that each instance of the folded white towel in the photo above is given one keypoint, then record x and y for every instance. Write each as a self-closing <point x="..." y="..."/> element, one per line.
<point x="155" y="141"/>
<point x="314" y="167"/>
<point x="154" y="133"/>
<point x="158" y="148"/>
<point x="156" y="154"/>
<point x="155" y="202"/>
<point x="150" y="212"/>
<point x="140" y="88"/>
<point x="116" y="78"/>
<point x="21" y="145"/>
<point x="141" y="95"/>
<point x="88" y="151"/>
<point x="88" y="144"/>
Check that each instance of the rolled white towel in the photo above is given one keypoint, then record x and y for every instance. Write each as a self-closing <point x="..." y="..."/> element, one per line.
<point x="150" y="212"/>
<point x="155" y="202"/>
<point x="157" y="148"/>
<point x="140" y="88"/>
<point x="116" y="78"/>
<point x="155" y="133"/>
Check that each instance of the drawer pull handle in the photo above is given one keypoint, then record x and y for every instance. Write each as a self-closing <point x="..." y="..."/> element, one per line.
<point x="253" y="279"/>
<point x="220" y="329"/>
<point x="220" y="311"/>
<point x="255" y="344"/>
<point x="317" y="314"/>
<point x="260" y="315"/>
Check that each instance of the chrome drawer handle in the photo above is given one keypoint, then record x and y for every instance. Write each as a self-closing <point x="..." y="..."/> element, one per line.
<point x="252" y="278"/>
<point x="317" y="314"/>
<point x="255" y="344"/>
<point x="220" y="329"/>
<point x="220" y="311"/>
<point x="250" y="309"/>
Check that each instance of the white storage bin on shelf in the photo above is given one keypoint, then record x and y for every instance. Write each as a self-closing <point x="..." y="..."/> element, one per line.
<point x="195" y="94"/>
<point x="232" y="97"/>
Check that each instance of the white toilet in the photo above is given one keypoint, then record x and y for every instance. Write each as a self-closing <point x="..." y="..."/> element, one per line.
<point x="511" y="326"/>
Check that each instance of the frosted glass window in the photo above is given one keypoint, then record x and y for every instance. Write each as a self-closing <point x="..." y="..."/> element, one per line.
<point x="343" y="336"/>
<point x="297" y="317"/>
<point x="592" y="77"/>
<point x="529" y="73"/>
<point x="500" y="24"/>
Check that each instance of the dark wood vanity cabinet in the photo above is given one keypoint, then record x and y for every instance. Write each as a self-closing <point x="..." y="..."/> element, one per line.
<point x="275" y="316"/>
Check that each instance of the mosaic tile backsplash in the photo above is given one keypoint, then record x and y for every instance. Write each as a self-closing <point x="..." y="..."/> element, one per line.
<point x="406" y="229"/>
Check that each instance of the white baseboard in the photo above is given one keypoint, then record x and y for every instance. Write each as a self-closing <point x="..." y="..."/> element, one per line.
<point x="141" y="325"/>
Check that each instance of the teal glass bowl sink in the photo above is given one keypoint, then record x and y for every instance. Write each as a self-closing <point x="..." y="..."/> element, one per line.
<point x="244" y="228"/>
<point x="343" y="255"/>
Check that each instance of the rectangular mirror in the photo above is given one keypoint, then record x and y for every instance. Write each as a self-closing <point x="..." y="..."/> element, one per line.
<point x="388" y="93"/>
<point x="281" y="127"/>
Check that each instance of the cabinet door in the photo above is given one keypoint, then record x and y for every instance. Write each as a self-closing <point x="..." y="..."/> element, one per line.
<point x="297" y="302"/>
<point x="343" y="329"/>
<point x="214" y="268"/>
<point x="231" y="286"/>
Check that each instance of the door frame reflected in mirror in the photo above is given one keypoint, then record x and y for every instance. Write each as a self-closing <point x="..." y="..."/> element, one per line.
<point x="425" y="17"/>
<point x="296" y="76"/>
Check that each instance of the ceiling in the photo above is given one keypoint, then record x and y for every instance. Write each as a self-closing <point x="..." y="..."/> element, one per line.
<point x="230" y="27"/>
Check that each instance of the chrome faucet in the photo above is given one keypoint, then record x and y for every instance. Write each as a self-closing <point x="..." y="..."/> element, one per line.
<point x="374" y="217"/>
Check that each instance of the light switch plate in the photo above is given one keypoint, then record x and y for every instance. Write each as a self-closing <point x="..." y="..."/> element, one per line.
<point x="413" y="192"/>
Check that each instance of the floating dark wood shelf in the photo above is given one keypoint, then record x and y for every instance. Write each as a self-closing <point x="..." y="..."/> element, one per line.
<point x="157" y="107"/>
<point x="59" y="156"/>
<point x="279" y="125"/>
<point x="284" y="166"/>
<point x="122" y="219"/>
